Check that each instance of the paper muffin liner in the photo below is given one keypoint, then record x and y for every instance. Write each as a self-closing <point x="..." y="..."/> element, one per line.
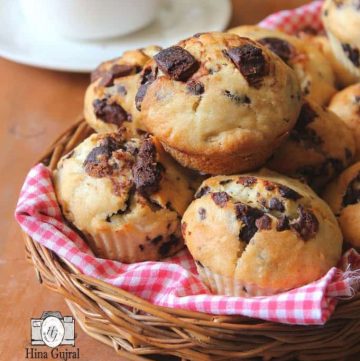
<point x="230" y="286"/>
<point x="341" y="56"/>
<point x="114" y="246"/>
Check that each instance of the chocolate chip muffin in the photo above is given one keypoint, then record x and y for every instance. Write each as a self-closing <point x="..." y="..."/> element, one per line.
<point x="346" y="104"/>
<point x="219" y="103"/>
<point x="126" y="196"/>
<point x="341" y="19"/>
<point x="260" y="234"/>
<point x="312" y="68"/>
<point x="343" y="196"/>
<point x="318" y="148"/>
<point x="110" y="98"/>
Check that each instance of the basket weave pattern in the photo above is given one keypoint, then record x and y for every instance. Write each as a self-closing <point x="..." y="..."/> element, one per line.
<point x="136" y="328"/>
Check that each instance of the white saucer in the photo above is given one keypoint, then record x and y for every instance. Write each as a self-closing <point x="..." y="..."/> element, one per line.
<point x="177" y="19"/>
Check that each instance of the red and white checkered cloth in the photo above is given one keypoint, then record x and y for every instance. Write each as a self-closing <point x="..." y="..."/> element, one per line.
<point x="174" y="282"/>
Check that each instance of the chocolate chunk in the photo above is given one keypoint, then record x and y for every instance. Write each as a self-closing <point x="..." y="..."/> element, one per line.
<point x="195" y="87"/>
<point x="353" y="54"/>
<point x="263" y="222"/>
<point x="280" y="47"/>
<point x="247" y="181"/>
<point x="149" y="75"/>
<point x="224" y="182"/>
<point x="201" y="192"/>
<point x="97" y="161"/>
<point x="202" y="213"/>
<point x="121" y="90"/>
<point x="306" y="116"/>
<point x="238" y="99"/>
<point x="166" y="247"/>
<point x="276" y="204"/>
<point x="220" y="198"/>
<point x="248" y="216"/>
<point x="147" y="173"/>
<point x="250" y="61"/>
<point x="288" y="193"/>
<point x="306" y="225"/>
<point x="352" y="194"/>
<point x="283" y="224"/>
<point x="110" y="112"/>
<point x="156" y="240"/>
<point x="177" y="63"/>
<point x="116" y="71"/>
<point x="269" y="186"/>
<point x="197" y="35"/>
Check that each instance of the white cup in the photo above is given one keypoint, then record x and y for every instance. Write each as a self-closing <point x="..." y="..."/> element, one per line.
<point x="89" y="19"/>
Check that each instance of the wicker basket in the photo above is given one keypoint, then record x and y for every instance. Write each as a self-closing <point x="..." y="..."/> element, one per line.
<point x="136" y="328"/>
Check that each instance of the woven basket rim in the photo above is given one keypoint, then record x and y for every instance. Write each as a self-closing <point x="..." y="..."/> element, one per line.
<point x="126" y="322"/>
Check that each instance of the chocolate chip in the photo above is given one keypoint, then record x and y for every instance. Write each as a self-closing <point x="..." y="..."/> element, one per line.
<point x="156" y="240"/>
<point x="165" y="248"/>
<point x="97" y="161"/>
<point x="141" y="246"/>
<point x="248" y="216"/>
<point x="238" y="99"/>
<point x="352" y="194"/>
<point x="306" y="225"/>
<point x="247" y="181"/>
<point x="195" y="87"/>
<point x="353" y="54"/>
<point x="263" y="222"/>
<point x="110" y="112"/>
<point x="147" y="173"/>
<point x="224" y="182"/>
<point x="306" y="116"/>
<point x="121" y="90"/>
<point x="283" y="224"/>
<point x="268" y="185"/>
<point x="276" y="204"/>
<point x="201" y="192"/>
<point x="197" y="35"/>
<point x="202" y="213"/>
<point x="148" y="77"/>
<point x="177" y="63"/>
<point x="220" y="198"/>
<point x="288" y="193"/>
<point x="250" y="61"/>
<point x="280" y="47"/>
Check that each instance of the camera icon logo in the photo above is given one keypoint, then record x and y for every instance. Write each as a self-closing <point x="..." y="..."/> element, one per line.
<point x="52" y="330"/>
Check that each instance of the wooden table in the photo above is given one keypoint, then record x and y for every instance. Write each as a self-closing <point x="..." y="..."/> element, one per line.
<point x="36" y="105"/>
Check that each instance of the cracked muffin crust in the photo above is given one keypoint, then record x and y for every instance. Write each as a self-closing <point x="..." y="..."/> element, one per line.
<point x="318" y="148"/>
<point x="341" y="19"/>
<point x="312" y="68"/>
<point x="126" y="196"/>
<point x="258" y="234"/>
<point x="346" y="105"/>
<point x="219" y="103"/>
<point x="343" y="196"/>
<point x="109" y="102"/>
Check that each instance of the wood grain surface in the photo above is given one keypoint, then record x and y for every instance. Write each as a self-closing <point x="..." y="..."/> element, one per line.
<point x="35" y="106"/>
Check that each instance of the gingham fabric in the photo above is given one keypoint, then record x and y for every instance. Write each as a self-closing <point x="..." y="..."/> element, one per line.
<point x="174" y="282"/>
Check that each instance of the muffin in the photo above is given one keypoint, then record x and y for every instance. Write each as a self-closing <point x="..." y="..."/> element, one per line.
<point x="318" y="148"/>
<point x="219" y="103"/>
<point x="343" y="196"/>
<point x="346" y="104"/>
<point x="126" y="196"/>
<point x="109" y="102"/>
<point x="312" y="68"/>
<point x="260" y="234"/>
<point x="341" y="19"/>
<point x="343" y="77"/>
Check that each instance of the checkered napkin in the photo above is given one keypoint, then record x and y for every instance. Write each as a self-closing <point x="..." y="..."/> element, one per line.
<point x="174" y="282"/>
